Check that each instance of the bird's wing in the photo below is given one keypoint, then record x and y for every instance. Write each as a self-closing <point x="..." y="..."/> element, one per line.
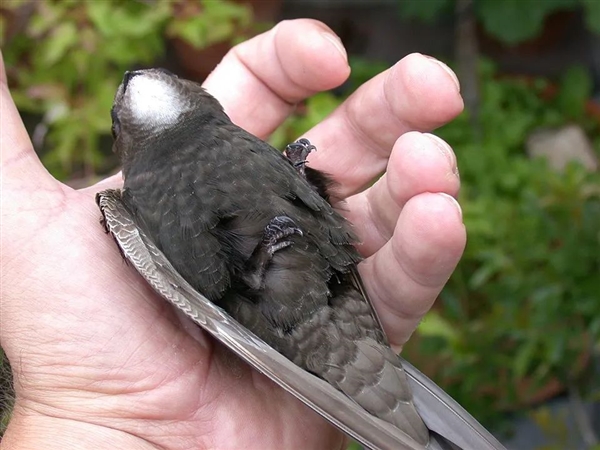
<point x="317" y="394"/>
<point x="440" y="412"/>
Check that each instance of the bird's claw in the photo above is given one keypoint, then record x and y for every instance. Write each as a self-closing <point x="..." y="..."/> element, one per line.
<point x="278" y="229"/>
<point x="297" y="152"/>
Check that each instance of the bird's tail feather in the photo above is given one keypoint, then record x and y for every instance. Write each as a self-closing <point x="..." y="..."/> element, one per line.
<point x="445" y="417"/>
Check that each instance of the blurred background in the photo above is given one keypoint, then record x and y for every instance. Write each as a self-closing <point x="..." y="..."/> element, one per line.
<point x="515" y="335"/>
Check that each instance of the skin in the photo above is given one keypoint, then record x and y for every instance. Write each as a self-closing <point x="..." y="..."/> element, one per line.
<point x="100" y="361"/>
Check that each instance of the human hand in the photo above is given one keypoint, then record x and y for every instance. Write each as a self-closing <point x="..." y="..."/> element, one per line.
<point x="100" y="361"/>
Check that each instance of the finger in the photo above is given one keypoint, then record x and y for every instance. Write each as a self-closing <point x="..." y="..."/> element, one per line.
<point x="419" y="162"/>
<point x="354" y="142"/>
<point x="20" y="166"/>
<point x="404" y="278"/>
<point x="260" y="80"/>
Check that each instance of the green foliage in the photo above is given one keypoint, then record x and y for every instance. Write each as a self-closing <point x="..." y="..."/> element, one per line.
<point x="66" y="63"/>
<point x="523" y="302"/>
<point x="576" y="89"/>
<point x="514" y="21"/>
<point x="362" y="71"/>
<point x="309" y="114"/>
<point x="592" y="14"/>
<point x="219" y="21"/>
<point x="511" y="21"/>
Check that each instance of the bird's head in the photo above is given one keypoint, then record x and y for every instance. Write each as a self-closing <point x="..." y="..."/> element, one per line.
<point x="154" y="105"/>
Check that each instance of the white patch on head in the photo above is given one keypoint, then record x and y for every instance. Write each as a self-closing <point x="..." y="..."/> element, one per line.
<point x="153" y="101"/>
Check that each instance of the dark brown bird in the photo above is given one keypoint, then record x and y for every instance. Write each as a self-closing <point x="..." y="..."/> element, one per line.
<point x="252" y="229"/>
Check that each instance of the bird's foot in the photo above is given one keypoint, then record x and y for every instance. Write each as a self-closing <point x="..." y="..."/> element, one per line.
<point x="279" y="228"/>
<point x="297" y="152"/>
<point x="274" y="239"/>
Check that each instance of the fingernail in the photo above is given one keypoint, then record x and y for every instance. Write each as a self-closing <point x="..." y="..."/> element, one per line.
<point x="337" y="44"/>
<point x="447" y="69"/>
<point x="446" y="150"/>
<point x="453" y="201"/>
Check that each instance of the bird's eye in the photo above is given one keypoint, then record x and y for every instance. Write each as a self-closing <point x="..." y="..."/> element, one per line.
<point x="116" y="124"/>
<point x="115" y="129"/>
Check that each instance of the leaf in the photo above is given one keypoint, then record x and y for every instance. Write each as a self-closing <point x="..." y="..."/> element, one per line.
<point x="132" y="19"/>
<point x="362" y="70"/>
<point x="218" y="22"/>
<point x="434" y="325"/>
<point x="193" y="31"/>
<point x="514" y="21"/>
<point x="523" y="358"/>
<point x="575" y="90"/>
<point x="48" y="15"/>
<point x="320" y="106"/>
<point x="100" y="15"/>
<point x="220" y="32"/>
<point x="59" y="42"/>
<point x="592" y="15"/>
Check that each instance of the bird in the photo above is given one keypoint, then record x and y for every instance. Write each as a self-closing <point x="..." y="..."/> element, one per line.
<point x="253" y="230"/>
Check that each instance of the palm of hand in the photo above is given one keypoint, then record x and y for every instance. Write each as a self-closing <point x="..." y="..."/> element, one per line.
<point x="138" y="356"/>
